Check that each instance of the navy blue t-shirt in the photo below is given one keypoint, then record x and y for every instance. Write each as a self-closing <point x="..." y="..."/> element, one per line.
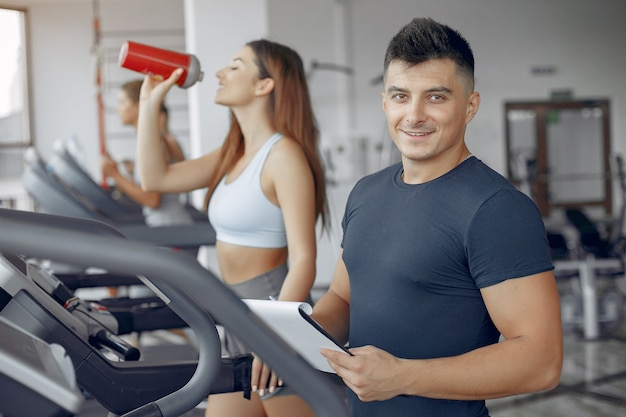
<point x="417" y="256"/>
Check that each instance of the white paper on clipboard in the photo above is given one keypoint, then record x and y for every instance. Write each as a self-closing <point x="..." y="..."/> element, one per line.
<point x="285" y="319"/>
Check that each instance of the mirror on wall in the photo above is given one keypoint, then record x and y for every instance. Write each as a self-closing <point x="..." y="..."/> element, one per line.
<point x="559" y="153"/>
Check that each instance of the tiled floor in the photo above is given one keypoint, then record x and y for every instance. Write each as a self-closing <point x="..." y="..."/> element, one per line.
<point x="593" y="378"/>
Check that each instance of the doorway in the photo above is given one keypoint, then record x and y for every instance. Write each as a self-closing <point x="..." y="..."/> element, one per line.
<point x="559" y="153"/>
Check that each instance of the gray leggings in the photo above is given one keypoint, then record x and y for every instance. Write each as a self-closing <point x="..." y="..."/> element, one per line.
<point x="261" y="287"/>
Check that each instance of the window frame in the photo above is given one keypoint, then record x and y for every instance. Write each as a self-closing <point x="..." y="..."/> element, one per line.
<point x="26" y="119"/>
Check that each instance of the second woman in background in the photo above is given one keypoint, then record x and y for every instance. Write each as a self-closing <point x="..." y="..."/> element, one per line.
<point x="266" y="191"/>
<point x="158" y="209"/>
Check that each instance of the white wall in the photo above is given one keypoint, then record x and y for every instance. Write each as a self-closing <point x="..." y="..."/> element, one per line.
<point x="583" y="40"/>
<point x="62" y="74"/>
<point x="63" y="67"/>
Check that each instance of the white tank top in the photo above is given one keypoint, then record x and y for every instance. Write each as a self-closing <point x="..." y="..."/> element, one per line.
<point x="241" y="214"/>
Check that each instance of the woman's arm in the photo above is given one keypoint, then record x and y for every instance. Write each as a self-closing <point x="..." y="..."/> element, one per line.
<point x="129" y="186"/>
<point x="155" y="173"/>
<point x="293" y="190"/>
<point x="287" y="181"/>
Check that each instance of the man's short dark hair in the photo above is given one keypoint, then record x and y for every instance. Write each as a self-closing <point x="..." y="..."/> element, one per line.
<point x="424" y="39"/>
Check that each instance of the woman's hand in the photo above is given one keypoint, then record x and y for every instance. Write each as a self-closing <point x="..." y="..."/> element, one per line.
<point x="260" y="374"/>
<point x="108" y="166"/>
<point x="154" y="87"/>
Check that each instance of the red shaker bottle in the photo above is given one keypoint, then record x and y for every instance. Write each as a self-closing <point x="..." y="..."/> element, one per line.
<point x="149" y="59"/>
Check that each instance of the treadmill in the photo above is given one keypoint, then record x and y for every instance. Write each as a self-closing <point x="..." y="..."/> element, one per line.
<point x="53" y="195"/>
<point x="132" y="314"/>
<point x="64" y="164"/>
<point x="194" y="293"/>
<point x="35" y="377"/>
<point x="77" y="195"/>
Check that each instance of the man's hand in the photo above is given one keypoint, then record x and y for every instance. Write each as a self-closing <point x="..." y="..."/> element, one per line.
<point x="372" y="374"/>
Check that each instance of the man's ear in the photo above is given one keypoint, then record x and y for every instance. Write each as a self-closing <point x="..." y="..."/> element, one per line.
<point x="265" y="86"/>
<point x="472" y="106"/>
<point x="384" y="102"/>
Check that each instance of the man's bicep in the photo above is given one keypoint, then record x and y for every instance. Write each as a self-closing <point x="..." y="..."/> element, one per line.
<point x="340" y="284"/>
<point x="332" y="310"/>
<point x="525" y="307"/>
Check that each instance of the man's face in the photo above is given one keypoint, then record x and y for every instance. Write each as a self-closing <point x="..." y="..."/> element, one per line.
<point x="428" y="106"/>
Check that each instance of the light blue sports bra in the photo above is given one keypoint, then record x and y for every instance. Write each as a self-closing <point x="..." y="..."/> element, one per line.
<point x="241" y="214"/>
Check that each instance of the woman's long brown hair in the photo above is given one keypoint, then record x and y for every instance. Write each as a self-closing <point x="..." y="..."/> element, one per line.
<point x="291" y="112"/>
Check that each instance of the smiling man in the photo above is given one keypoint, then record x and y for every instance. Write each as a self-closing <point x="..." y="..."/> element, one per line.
<point x="444" y="288"/>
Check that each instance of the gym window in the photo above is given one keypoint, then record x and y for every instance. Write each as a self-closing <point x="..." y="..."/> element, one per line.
<point x="15" y="129"/>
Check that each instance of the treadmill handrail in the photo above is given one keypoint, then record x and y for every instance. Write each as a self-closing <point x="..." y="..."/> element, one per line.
<point x="20" y="227"/>
<point x="65" y="166"/>
<point x="37" y="236"/>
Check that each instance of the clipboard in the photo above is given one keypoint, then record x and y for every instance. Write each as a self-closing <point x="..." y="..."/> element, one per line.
<point x="291" y="320"/>
<point x="323" y="331"/>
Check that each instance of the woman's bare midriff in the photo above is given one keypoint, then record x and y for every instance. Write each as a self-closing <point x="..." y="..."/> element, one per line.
<point x="240" y="263"/>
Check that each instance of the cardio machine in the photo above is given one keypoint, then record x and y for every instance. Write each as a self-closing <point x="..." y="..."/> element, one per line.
<point x="183" y="283"/>
<point x="35" y="377"/>
<point x="65" y="189"/>
<point x="106" y="366"/>
<point x="131" y="314"/>
<point x="65" y="165"/>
